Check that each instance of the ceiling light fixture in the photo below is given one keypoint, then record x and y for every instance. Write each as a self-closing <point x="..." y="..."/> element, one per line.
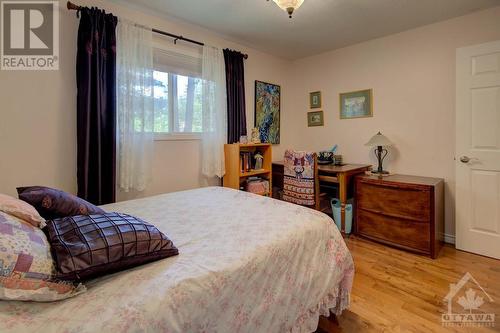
<point x="289" y="5"/>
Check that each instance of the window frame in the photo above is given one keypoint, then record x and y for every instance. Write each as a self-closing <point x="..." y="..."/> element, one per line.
<point x="178" y="136"/>
<point x="172" y="135"/>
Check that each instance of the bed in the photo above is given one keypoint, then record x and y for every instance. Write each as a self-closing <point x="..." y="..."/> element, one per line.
<point x="247" y="263"/>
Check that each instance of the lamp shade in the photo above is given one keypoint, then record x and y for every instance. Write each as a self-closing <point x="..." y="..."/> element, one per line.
<point x="378" y="140"/>
<point x="289" y="5"/>
<point x="284" y="4"/>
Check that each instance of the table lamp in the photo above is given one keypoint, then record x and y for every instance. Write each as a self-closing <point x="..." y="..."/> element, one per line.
<point x="379" y="141"/>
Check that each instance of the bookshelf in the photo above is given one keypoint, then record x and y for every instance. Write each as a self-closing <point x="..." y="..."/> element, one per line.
<point x="234" y="153"/>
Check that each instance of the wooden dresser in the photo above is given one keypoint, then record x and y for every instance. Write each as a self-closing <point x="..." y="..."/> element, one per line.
<point x="402" y="211"/>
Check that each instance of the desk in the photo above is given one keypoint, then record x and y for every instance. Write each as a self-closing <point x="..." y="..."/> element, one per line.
<point x="339" y="174"/>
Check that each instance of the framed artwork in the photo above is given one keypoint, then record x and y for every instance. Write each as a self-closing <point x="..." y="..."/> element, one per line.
<point x="315" y="100"/>
<point x="315" y="118"/>
<point x="267" y="111"/>
<point x="356" y="104"/>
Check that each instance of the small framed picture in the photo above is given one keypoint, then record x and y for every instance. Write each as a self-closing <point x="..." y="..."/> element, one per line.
<point x="315" y="100"/>
<point x="315" y="118"/>
<point x="356" y="104"/>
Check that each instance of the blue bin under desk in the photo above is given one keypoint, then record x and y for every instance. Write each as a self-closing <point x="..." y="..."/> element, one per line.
<point x="336" y="209"/>
<point x="337" y="216"/>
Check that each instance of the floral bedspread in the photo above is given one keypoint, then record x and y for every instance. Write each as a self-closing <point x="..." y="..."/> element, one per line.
<point x="247" y="263"/>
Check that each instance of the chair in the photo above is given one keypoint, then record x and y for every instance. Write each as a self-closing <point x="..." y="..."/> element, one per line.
<point x="300" y="179"/>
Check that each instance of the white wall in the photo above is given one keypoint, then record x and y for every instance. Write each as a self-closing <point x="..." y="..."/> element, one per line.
<point x="412" y="75"/>
<point x="38" y="113"/>
<point x="38" y="121"/>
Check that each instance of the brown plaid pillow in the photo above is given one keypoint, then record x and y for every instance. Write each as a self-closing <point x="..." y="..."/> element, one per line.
<point x="87" y="246"/>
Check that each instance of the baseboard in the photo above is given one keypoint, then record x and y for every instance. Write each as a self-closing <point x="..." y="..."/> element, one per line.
<point x="450" y="239"/>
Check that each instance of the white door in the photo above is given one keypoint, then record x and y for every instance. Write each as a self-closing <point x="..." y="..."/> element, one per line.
<point x="478" y="149"/>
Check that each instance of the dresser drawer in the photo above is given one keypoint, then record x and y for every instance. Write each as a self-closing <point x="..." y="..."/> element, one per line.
<point x="394" y="230"/>
<point x="404" y="202"/>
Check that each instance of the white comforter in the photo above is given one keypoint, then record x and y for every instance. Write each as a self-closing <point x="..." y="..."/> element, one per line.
<point x="247" y="264"/>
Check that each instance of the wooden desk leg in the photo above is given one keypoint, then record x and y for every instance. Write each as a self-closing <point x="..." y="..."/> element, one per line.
<point x="343" y="198"/>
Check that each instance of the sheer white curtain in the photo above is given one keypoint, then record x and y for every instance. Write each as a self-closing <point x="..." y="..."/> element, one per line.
<point x="214" y="106"/>
<point x="135" y="109"/>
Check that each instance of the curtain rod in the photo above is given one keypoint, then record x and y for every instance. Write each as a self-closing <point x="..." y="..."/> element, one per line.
<point x="72" y="6"/>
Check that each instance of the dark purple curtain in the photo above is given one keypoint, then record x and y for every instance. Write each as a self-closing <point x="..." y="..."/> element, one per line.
<point x="235" y="85"/>
<point x="96" y="106"/>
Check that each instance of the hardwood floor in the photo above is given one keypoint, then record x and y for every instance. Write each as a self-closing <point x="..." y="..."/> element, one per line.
<point x="396" y="291"/>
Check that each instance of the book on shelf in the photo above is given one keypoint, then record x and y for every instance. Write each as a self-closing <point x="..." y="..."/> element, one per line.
<point x="246" y="161"/>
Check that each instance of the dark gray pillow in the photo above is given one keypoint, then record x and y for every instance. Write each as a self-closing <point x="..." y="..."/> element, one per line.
<point x="52" y="203"/>
<point x="87" y="246"/>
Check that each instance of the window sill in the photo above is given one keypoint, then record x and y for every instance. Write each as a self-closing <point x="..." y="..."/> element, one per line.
<point x="177" y="136"/>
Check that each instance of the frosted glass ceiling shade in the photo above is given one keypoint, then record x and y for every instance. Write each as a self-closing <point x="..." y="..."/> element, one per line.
<point x="289" y="5"/>
<point x="378" y="140"/>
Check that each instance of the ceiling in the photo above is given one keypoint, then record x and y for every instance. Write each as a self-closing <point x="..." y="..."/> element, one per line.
<point x="317" y="26"/>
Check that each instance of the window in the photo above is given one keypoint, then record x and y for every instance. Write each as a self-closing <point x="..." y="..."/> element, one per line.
<point x="177" y="90"/>
<point x="177" y="103"/>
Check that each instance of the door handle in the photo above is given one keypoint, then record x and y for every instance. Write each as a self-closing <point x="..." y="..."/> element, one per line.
<point x="465" y="159"/>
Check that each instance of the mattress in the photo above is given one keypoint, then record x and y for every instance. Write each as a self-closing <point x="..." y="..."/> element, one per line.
<point x="246" y="263"/>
